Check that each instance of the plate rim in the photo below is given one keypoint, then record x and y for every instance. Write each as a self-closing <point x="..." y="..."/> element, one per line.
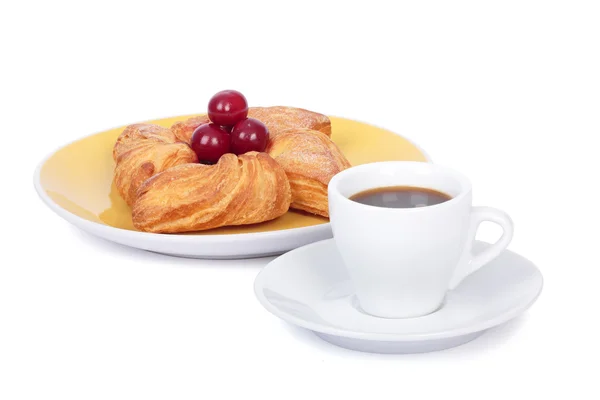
<point x="183" y="238"/>
<point x="392" y="337"/>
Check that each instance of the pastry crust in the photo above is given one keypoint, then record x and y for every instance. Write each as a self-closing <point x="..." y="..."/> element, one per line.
<point x="240" y="190"/>
<point x="144" y="150"/>
<point x="310" y="159"/>
<point x="183" y="130"/>
<point x="277" y="119"/>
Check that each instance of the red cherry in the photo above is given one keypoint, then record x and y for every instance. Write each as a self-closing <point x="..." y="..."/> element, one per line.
<point x="210" y="142"/>
<point x="227" y="107"/>
<point x="249" y="135"/>
<point x="226" y="128"/>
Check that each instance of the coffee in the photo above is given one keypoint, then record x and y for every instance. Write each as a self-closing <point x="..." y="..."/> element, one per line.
<point x="400" y="197"/>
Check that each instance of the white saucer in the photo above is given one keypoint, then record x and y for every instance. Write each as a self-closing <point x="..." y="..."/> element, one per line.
<point x="309" y="287"/>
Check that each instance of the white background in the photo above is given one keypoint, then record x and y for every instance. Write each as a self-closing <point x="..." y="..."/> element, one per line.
<point x="507" y="92"/>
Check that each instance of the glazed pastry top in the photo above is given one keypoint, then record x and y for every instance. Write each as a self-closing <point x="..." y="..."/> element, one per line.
<point x="238" y="190"/>
<point x="142" y="151"/>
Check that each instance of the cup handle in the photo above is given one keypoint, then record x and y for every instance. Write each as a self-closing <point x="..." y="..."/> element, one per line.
<point x="470" y="262"/>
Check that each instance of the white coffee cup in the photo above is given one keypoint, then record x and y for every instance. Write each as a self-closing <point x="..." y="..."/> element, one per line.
<point x="403" y="261"/>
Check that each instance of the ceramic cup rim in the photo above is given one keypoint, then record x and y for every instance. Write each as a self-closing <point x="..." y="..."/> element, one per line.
<point x="364" y="170"/>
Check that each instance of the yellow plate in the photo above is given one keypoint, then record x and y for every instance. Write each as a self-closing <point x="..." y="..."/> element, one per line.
<point x="76" y="182"/>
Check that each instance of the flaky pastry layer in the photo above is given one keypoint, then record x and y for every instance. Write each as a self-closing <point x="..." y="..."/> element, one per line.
<point x="242" y="190"/>
<point x="310" y="159"/>
<point x="143" y="150"/>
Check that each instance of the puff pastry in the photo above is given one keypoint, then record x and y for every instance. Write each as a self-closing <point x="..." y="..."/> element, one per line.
<point x="240" y="190"/>
<point x="277" y="119"/>
<point x="310" y="159"/>
<point x="143" y="150"/>
<point x="183" y="130"/>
